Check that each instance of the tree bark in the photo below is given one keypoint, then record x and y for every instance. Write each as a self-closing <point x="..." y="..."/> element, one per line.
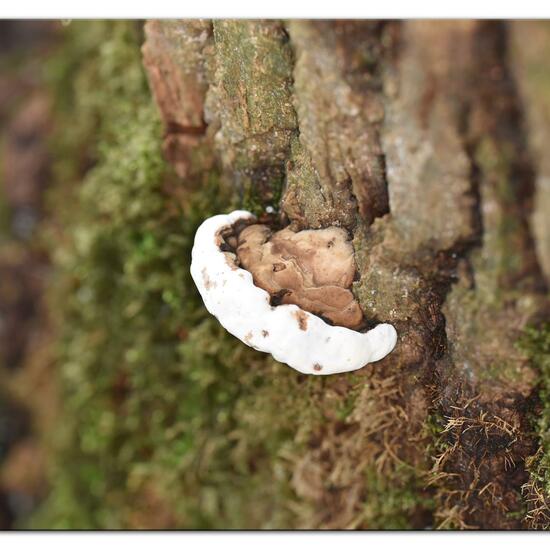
<point x="426" y="142"/>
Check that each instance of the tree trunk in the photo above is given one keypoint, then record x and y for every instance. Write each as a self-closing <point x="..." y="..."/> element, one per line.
<point x="426" y="141"/>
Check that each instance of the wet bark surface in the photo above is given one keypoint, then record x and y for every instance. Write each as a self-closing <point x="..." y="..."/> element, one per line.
<point x="423" y="141"/>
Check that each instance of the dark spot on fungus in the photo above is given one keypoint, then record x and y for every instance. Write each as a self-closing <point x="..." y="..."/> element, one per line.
<point x="208" y="284"/>
<point x="265" y="333"/>
<point x="278" y="267"/>
<point x="277" y="298"/>
<point x="317" y="367"/>
<point x="326" y="320"/>
<point x="239" y="225"/>
<point x="301" y="317"/>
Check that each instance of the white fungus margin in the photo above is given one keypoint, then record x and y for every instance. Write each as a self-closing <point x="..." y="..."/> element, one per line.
<point x="291" y="335"/>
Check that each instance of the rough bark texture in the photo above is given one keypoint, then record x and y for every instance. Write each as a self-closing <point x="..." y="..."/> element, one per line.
<point x="411" y="135"/>
<point x="425" y="142"/>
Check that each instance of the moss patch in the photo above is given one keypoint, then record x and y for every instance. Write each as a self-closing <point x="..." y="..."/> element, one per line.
<point x="163" y="410"/>
<point x="167" y="420"/>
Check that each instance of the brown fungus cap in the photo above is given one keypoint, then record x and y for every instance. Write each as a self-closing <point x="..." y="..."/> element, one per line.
<point x="313" y="269"/>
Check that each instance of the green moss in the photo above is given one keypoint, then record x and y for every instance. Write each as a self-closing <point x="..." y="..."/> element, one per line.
<point x="167" y="421"/>
<point x="392" y="501"/>
<point x="162" y="409"/>
<point x="478" y="313"/>
<point x="251" y="95"/>
<point x="502" y="262"/>
<point x="256" y="200"/>
<point x="255" y="73"/>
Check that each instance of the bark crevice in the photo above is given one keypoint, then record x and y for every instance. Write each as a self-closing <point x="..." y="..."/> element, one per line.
<point x="486" y="436"/>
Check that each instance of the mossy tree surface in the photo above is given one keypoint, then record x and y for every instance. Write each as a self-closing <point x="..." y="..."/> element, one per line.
<point x="386" y="129"/>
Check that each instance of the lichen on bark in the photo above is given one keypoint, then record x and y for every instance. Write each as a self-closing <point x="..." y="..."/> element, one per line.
<point x="249" y="105"/>
<point x="339" y="107"/>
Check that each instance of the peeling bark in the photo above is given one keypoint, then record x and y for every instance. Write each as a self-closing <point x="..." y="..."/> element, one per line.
<point x="174" y="55"/>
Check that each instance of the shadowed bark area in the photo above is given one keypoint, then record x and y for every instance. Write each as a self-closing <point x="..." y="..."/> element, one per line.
<point x="425" y="142"/>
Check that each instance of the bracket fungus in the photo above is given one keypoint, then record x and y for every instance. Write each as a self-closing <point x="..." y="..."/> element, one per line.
<point x="293" y="297"/>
